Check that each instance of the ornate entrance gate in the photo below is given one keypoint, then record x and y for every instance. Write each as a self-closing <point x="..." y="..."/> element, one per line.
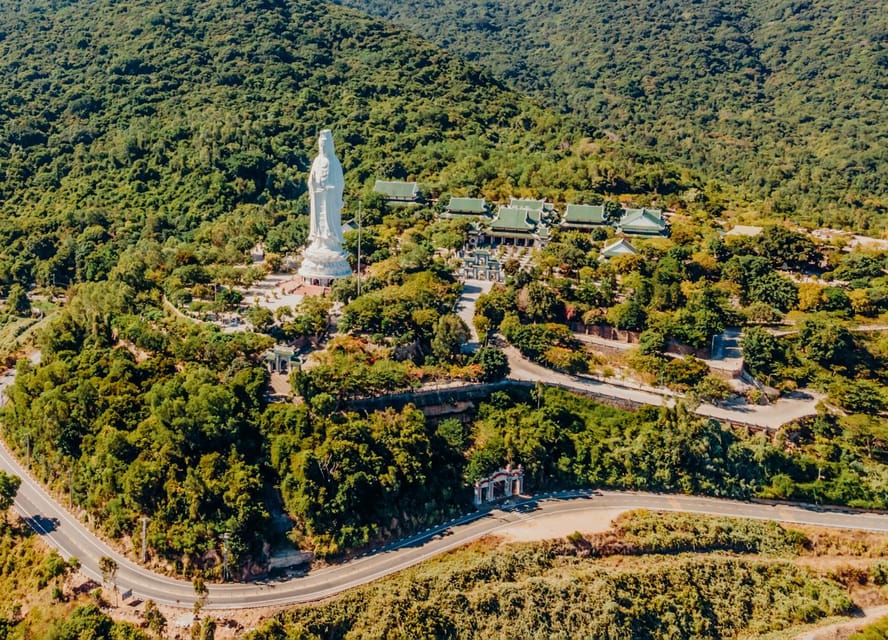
<point x="503" y="483"/>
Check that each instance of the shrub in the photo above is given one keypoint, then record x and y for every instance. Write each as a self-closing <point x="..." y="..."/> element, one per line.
<point x="493" y="362"/>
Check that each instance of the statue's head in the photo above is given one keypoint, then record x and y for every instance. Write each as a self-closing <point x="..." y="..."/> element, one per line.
<point x="325" y="142"/>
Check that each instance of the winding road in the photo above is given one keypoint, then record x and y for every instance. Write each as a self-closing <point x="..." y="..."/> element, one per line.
<point x="73" y="539"/>
<point x="64" y="532"/>
<point x="789" y="408"/>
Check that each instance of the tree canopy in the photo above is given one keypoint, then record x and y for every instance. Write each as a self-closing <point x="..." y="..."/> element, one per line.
<point x="163" y="125"/>
<point x="779" y="99"/>
<point x="9" y="486"/>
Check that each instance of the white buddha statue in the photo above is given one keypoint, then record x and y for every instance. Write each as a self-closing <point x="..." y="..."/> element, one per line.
<point x="324" y="260"/>
<point x="325" y="186"/>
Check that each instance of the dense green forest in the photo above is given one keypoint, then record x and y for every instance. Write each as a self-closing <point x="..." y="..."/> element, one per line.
<point x="145" y="147"/>
<point x="153" y="414"/>
<point x="783" y="99"/>
<point x="650" y="576"/>
<point x="109" y="410"/>
<point x="187" y="127"/>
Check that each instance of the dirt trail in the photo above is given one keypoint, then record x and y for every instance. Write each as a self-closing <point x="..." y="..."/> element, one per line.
<point x="842" y="630"/>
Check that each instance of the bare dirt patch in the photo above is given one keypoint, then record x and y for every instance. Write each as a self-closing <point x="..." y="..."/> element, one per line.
<point x="561" y="526"/>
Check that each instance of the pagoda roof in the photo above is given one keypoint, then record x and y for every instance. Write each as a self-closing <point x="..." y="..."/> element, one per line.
<point x="475" y="206"/>
<point x="514" y="219"/>
<point x="584" y="214"/>
<point x="533" y="205"/>
<point x="644" y="221"/>
<point x="394" y="189"/>
<point x="621" y="247"/>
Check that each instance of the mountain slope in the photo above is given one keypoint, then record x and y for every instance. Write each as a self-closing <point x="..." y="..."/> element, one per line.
<point x="128" y="120"/>
<point x="140" y="141"/>
<point x="782" y="98"/>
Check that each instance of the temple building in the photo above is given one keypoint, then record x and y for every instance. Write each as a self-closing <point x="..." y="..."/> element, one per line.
<point x="584" y="217"/>
<point x="621" y="247"/>
<point x="466" y="207"/>
<point x="643" y="222"/>
<point x="517" y="226"/>
<point x="398" y="193"/>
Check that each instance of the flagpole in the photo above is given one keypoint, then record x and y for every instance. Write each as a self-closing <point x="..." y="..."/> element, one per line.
<point x="359" y="248"/>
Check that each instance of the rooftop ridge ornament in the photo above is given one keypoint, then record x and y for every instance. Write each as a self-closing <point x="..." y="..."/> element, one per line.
<point x="324" y="260"/>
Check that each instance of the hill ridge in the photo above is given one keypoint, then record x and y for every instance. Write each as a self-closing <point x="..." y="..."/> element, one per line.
<point x="781" y="99"/>
<point x="141" y="121"/>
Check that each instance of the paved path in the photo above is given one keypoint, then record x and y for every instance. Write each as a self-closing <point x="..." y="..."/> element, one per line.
<point x="66" y="533"/>
<point x="860" y="328"/>
<point x="841" y="630"/>
<point x="726" y="357"/>
<point x="795" y="406"/>
<point x="772" y="416"/>
<point x="465" y="306"/>
<point x="520" y="368"/>
<point x="726" y="353"/>
<point x="225" y="327"/>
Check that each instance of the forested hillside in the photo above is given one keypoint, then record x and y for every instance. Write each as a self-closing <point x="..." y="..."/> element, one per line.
<point x="650" y="576"/>
<point x="782" y="98"/>
<point x="140" y="141"/>
<point x="193" y="121"/>
<point x="146" y="146"/>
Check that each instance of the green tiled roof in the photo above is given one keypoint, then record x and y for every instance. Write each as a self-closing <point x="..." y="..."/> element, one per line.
<point x="513" y="219"/>
<point x="533" y="205"/>
<point x="400" y="190"/>
<point x="467" y="205"/>
<point x="279" y="352"/>
<point x="584" y="214"/>
<point x="642" y="221"/>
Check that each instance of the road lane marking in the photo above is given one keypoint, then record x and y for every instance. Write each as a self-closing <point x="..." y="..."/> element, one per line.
<point x="402" y="554"/>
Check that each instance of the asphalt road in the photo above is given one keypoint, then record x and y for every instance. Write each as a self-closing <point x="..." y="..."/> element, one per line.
<point x="770" y="416"/>
<point x="60" y="529"/>
<point x="800" y="404"/>
<point x="67" y="534"/>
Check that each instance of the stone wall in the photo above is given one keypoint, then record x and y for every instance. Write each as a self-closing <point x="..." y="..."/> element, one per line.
<point x="681" y="349"/>
<point x="439" y="403"/>
<point x="436" y="401"/>
<point x="461" y="400"/>
<point x="606" y="332"/>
